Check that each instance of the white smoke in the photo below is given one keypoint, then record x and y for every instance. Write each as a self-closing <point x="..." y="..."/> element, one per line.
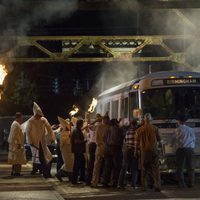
<point x="126" y="4"/>
<point x="25" y="14"/>
<point x="115" y="73"/>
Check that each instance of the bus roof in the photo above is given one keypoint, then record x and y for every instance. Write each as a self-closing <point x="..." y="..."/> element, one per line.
<point x="178" y="74"/>
<point x="117" y="88"/>
<point x="161" y="74"/>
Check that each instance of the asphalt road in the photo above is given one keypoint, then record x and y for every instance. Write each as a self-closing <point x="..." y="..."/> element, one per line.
<point x="36" y="187"/>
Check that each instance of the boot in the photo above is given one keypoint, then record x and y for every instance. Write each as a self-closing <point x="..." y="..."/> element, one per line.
<point x="70" y="176"/>
<point x="58" y="175"/>
<point x="35" y="169"/>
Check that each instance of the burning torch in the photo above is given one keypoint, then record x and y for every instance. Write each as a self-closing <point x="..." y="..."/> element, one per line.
<point x="72" y="113"/>
<point x="3" y="73"/>
<point x="91" y="109"/>
<point x="92" y="105"/>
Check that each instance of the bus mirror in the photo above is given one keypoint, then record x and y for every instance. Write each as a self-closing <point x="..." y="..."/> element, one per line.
<point x="137" y="113"/>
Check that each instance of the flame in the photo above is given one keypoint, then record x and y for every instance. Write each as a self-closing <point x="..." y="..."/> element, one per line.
<point x="1" y="93"/>
<point x="3" y="73"/>
<point x="74" y="111"/>
<point x="92" y="105"/>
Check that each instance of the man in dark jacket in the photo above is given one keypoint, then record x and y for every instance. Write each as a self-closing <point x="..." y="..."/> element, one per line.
<point x="113" y="139"/>
<point x="78" y="148"/>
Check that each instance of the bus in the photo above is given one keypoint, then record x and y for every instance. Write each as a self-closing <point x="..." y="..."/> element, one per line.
<point x="163" y="94"/>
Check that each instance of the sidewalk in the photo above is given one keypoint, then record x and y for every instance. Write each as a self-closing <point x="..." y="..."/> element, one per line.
<point x="27" y="186"/>
<point x="38" y="188"/>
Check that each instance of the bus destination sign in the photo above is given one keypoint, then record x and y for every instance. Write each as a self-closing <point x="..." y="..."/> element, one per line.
<point x="175" y="81"/>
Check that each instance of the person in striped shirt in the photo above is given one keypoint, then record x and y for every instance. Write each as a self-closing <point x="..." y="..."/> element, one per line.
<point x="129" y="157"/>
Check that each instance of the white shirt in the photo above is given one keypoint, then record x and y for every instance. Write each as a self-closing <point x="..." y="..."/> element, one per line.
<point x="91" y="136"/>
<point x="185" y="137"/>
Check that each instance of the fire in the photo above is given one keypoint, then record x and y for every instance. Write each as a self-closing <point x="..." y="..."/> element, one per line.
<point x="92" y="105"/>
<point x="3" y="73"/>
<point x="74" y="111"/>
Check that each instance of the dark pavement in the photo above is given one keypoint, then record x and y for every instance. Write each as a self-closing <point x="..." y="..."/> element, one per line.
<point x="36" y="187"/>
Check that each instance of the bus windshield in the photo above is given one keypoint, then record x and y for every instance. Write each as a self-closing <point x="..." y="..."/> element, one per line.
<point x="167" y="103"/>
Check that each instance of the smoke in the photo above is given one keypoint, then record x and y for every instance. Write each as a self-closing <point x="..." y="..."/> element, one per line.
<point x="178" y="22"/>
<point x="115" y="73"/>
<point x="18" y="17"/>
<point x="126" y="4"/>
<point x="22" y="15"/>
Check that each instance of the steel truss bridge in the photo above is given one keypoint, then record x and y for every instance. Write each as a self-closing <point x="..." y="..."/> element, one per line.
<point x="146" y="48"/>
<point x="99" y="48"/>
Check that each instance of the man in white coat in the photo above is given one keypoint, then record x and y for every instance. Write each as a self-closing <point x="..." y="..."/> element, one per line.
<point x="36" y="131"/>
<point x="16" y="154"/>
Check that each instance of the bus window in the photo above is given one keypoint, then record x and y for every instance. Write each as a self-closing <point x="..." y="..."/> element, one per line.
<point x="115" y="105"/>
<point x="134" y="102"/>
<point x="107" y="108"/>
<point x="168" y="103"/>
<point x="124" y="108"/>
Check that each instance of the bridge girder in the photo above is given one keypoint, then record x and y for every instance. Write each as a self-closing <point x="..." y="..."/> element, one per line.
<point x="97" y="48"/>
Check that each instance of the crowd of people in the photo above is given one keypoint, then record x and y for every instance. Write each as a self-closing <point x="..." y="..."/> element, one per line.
<point x="99" y="152"/>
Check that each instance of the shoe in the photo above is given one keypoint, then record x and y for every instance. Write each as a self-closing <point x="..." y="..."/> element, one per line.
<point x="76" y="182"/>
<point x="17" y="174"/>
<point x="105" y="186"/>
<point x="81" y="179"/>
<point x="190" y="185"/>
<point x="121" y="187"/>
<point x="144" y="189"/>
<point x="181" y="185"/>
<point x="135" y="187"/>
<point x="114" y="185"/>
<point x="157" y="189"/>
<point x="93" y="186"/>
<point x="33" y="172"/>
<point x="58" y="177"/>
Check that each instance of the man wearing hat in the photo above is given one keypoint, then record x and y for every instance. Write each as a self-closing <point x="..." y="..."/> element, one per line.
<point x="16" y="154"/>
<point x="65" y="147"/>
<point x="37" y="129"/>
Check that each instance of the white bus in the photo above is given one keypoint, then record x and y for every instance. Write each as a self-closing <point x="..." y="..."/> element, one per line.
<point x="164" y="95"/>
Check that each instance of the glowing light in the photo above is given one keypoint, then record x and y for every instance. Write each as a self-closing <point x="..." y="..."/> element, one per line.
<point x="136" y="86"/>
<point x="92" y="105"/>
<point x="74" y="111"/>
<point x="189" y="76"/>
<point x="172" y="77"/>
<point x="3" y="73"/>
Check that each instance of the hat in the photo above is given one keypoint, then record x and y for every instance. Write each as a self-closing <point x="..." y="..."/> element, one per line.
<point x="74" y="120"/>
<point x="98" y="116"/>
<point x="37" y="110"/>
<point x="63" y="123"/>
<point x="182" y="118"/>
<point x="148" y="116"/>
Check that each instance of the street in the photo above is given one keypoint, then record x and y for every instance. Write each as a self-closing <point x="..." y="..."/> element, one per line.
<point x="36" y="187"/>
